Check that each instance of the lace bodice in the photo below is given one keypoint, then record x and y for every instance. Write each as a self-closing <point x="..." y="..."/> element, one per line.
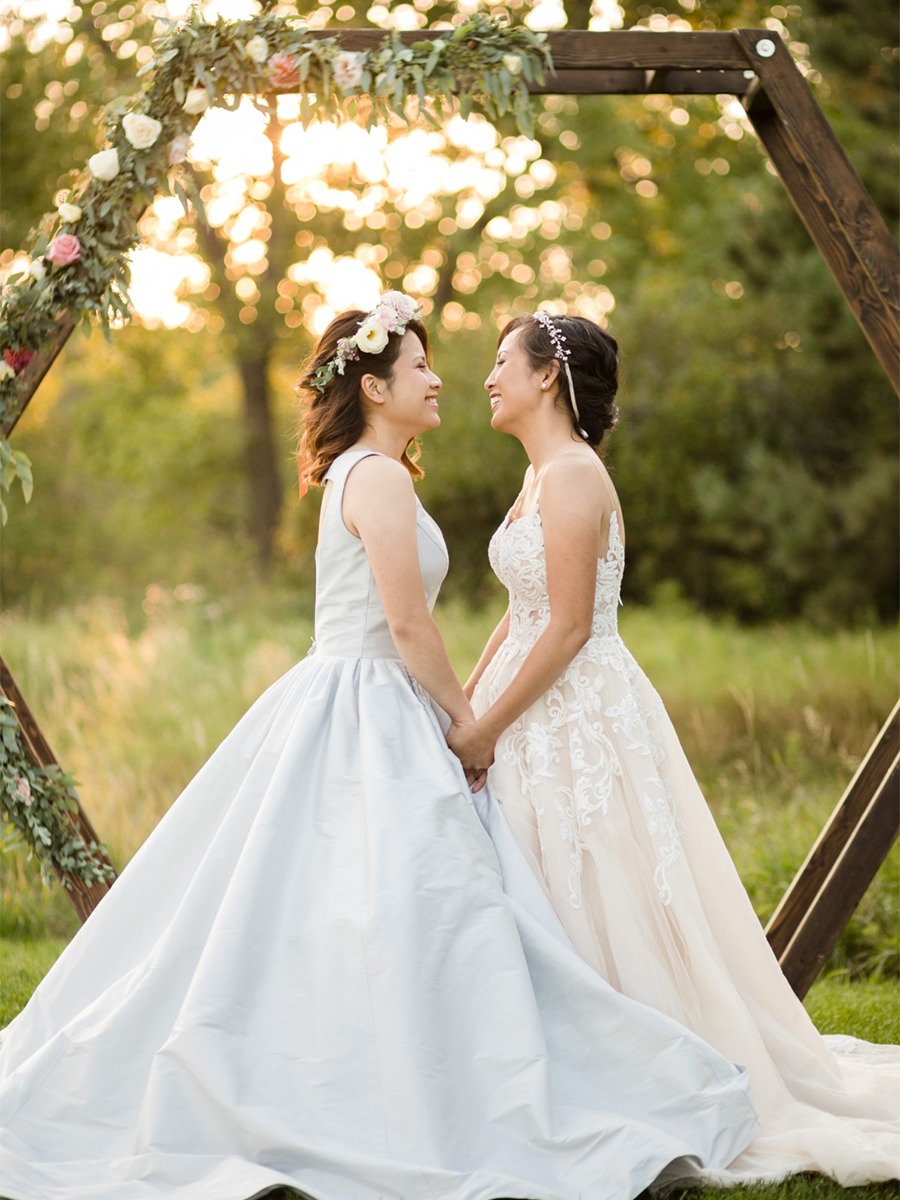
<point x="517" y="558"/>
<point x="567" y="749"/>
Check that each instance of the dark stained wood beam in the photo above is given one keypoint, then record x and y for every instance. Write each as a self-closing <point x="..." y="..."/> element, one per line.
<point x="837" y="210"/>
<point x="849" y="812"/>
<point x="620" y="49"/>
<point x="637" y="81"/>
<point x="84" y="898"/>
<point x="845" y="885"/>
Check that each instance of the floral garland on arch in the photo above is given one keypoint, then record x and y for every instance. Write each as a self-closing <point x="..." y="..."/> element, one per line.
<point x="78" y="254"/>
<point x="35" y="803"/>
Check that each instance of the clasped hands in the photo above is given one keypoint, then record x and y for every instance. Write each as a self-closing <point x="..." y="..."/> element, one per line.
<point x="474" y="747"/>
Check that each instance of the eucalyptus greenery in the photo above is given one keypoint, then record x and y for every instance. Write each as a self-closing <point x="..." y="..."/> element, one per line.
<point x="35" y="803"/>
<point x="79" y="251"/>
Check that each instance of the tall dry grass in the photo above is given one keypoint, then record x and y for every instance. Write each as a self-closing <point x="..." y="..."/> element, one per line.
<point x="774" y="721"/>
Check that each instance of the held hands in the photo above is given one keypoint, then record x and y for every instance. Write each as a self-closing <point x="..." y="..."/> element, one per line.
<point x="474" y="748"/>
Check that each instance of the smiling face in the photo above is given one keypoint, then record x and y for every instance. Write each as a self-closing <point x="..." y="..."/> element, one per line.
<point x="514" y="386"/>
<point x="411" y="394"/>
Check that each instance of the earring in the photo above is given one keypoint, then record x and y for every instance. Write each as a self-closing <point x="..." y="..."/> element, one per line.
<point x="543" y="387"/>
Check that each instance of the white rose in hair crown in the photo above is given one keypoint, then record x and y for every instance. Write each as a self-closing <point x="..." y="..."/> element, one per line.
<point x="391" y="314"/>
<point x="372" y="336"/>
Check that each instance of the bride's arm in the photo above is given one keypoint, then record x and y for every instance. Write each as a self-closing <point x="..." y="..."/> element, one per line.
<point x="572" y="505"/>
<point x="379" y="505"/>
<point x="493" y="643"/>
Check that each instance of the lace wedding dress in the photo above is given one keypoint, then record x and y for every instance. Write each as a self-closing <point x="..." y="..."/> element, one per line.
<point x="598" y="792"/>
<point x="328" y="969"/>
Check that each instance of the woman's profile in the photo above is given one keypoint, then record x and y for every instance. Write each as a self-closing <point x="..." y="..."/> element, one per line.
<point x="327" y="969"/>
<point x="590" y="775"/>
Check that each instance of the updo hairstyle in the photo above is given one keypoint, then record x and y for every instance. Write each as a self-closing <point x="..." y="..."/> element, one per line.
<point x="331" y="421"/>
<point x="593" y="362"/>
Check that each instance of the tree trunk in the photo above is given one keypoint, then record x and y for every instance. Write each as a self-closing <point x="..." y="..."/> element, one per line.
<point x="262" y="467"/>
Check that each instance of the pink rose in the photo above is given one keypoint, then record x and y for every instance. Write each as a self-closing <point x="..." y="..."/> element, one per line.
<point x="386" y="317"/>
<point x="18" y="359"/>
<point x="63" y="250"/>
<point x="284" y="69"/>
<point x="404" y="306"/>
<point x="23" y="790"/>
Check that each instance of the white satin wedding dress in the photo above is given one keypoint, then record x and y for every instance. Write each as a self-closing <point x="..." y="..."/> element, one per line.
<point x="327" y="969"/>
<point x="597" y="790"/>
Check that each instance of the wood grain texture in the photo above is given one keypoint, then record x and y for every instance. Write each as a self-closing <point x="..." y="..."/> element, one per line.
<point x="846" y="884"/>
<point x="84" y="897"/>
<point x="826" y="851"/>
<point x="830" y="198"/>
<point x="640" y="81"/>
<point x="582" y="49"/>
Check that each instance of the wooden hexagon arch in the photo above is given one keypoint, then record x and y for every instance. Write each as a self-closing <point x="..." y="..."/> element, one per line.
<point x="861" y="255"/>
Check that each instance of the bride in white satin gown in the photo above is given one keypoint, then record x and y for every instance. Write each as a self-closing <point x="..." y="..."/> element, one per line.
<point x="330" y="967"/>
<point x="591" y="777"/>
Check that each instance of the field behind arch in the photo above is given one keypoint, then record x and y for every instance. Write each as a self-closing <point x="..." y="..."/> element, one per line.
<point x="774" y="720"/>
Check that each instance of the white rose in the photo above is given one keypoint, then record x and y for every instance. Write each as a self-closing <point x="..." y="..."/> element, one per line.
<point x="196" y="101"/>
<point x="347" y="70"/>
<point x="37" y="270"/>
<point x="69" y="213"/>
<point x="513" y="63"/>
<point x="372" y="337"/>
<point x="6" y="371"/>
<point x="104" y="164"/>
<point x="141" y="130"/>
<point x="257" y="49"/>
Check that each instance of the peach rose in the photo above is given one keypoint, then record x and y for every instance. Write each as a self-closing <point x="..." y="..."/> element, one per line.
<point x="284" y="69"/>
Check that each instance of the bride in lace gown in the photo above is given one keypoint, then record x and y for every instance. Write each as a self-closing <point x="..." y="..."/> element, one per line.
<point x="590" y="775"/>
<point x="330" y="967"/>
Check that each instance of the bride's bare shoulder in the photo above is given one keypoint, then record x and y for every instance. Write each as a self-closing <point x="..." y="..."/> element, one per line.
<point x="574" y="470"/>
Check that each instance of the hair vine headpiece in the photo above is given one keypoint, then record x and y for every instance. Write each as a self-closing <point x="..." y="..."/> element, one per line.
<point x="561" y="352"/>
<point x="391" y="314"/>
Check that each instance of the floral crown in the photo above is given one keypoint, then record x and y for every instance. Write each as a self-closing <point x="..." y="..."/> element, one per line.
<point x="391" y="314"/>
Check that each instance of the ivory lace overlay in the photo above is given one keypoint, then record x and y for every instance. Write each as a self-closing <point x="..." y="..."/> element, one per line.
<point x="568" y="747"/>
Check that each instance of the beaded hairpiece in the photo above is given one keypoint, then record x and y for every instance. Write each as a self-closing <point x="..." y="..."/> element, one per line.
<point x="561" y="352"/>
<point x="391" y="314"/>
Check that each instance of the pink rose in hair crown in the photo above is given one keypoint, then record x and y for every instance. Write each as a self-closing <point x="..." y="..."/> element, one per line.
<point x="404" y="306"/>
<point x="387" y="317"/>
<point x="63" y="250"/>
<point x="19" y="359"/>
<point x="284" y="69"/>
